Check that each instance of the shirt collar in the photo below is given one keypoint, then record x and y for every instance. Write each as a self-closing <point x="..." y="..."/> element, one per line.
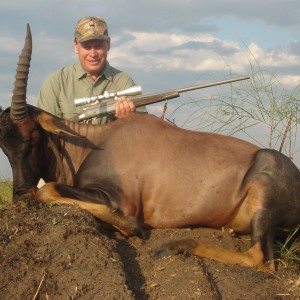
<point x="81" y="73"/>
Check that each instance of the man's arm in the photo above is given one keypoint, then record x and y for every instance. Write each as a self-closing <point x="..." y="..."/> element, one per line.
<point x="48" y="97"/>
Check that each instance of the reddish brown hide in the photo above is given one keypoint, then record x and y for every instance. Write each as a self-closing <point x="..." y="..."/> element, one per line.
<point x="141" y="172"/>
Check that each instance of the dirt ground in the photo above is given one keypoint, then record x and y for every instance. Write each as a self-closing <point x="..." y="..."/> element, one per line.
<point x="62" y="252"/>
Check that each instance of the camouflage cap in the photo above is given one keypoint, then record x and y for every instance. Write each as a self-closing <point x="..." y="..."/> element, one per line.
<point x="91" y="28"/>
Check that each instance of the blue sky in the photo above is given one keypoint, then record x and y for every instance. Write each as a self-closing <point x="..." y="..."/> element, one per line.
<point x="162" y="44"/>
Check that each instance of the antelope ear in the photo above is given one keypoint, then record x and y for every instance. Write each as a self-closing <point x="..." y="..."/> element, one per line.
<point x="54" y="125"/>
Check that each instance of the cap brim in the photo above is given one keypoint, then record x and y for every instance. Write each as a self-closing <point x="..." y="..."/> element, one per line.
<point x="92" y="37"/>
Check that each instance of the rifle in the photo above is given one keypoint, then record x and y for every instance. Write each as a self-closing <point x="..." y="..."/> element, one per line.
<point x="96" y="109"/>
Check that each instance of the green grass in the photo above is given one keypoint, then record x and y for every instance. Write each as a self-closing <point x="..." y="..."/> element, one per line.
<point x="261" y="110"/>
<point x="289" y="250"/>
<point x="6" y="189"/>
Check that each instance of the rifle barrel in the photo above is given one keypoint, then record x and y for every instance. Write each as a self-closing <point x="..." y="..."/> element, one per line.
<point x="205" y="85"/>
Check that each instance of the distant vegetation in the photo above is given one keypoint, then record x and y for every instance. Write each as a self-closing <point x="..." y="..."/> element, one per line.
<point x="5" y="192"/>
<point x="261" y="110"/>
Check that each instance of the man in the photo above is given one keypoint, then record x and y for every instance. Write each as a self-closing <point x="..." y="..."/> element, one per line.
<point x="92" y="75"/>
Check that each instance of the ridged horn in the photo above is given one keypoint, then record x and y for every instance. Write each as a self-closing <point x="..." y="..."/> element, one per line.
<point x="18" y="109"/>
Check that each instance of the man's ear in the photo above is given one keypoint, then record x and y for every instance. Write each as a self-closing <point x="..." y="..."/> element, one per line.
<point x="75" y="46"/>
<point x="108" y="42"/>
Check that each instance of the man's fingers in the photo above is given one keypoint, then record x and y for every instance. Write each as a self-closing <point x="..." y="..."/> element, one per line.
<point x="124" y="107"/>
<point x="131" y="105"/>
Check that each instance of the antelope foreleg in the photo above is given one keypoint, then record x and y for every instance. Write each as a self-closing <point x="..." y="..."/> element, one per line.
<point x="127" y="226"/>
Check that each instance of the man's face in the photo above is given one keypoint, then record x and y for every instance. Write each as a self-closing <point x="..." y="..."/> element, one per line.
<point x="92" y="55"/>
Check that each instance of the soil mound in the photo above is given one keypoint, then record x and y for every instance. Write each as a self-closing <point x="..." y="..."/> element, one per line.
<point x="62" y="252"/>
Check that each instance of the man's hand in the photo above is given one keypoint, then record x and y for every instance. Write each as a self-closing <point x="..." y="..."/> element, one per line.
<point x="124" y="107"/>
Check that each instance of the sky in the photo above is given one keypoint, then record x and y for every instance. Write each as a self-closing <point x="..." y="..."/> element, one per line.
<point x="162" y="44"/>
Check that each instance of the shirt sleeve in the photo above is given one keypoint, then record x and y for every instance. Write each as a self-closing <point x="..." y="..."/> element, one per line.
<point x="48" y="98"/>
<point x="125" y="82"/>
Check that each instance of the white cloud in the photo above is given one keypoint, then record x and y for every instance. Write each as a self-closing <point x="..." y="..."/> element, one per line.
<point x="289" y="81"/>
<point x="152" y="51"/>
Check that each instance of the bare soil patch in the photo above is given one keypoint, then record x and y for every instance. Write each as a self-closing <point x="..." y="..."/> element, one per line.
<point x="62" y="252"/>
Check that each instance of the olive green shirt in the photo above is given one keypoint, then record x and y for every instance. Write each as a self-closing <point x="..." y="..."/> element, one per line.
<point x="59" y="90"/>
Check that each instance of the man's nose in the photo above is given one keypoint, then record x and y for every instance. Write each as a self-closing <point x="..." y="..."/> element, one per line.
<point x="93" y="52"/>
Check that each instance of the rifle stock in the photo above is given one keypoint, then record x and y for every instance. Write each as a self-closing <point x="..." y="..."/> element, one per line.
<point x="102" y="109"/>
